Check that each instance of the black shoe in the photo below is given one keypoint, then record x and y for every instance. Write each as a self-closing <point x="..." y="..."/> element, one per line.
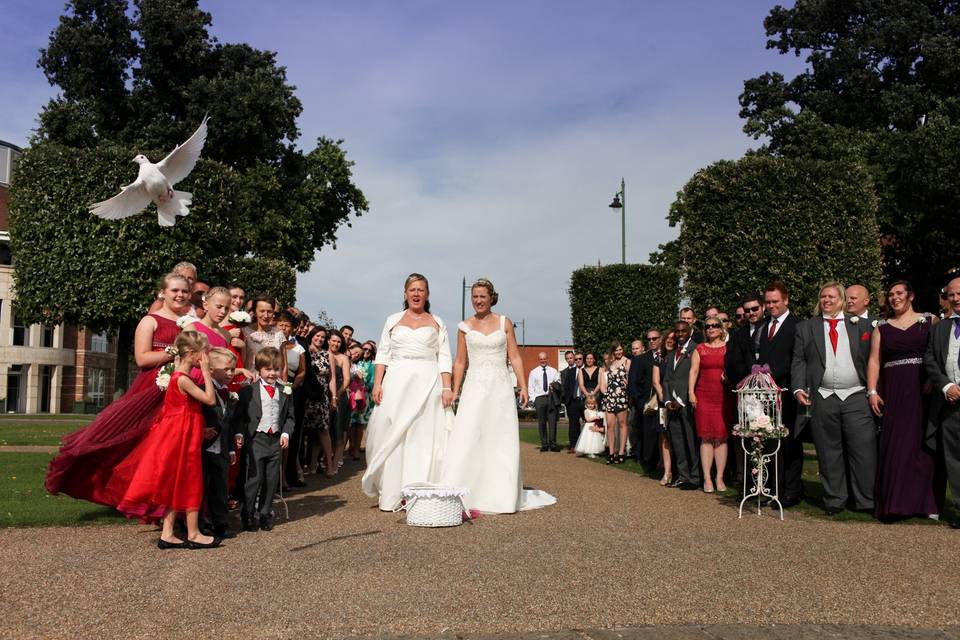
<point x="199" y="545"/>
<point x="297" y="484"/>
<point x="163" y="544"/>
<point x="786" y="503"/>
<point x="224" y="533"/>
<point x="249" y="524"/>
<point x="955" y="524"/>
<point x="266" y="523"/>
<point x="542" y="449"/>
<point x="206" y="529"/>
<point x="554" y="448"/>
<point x="832" y="511"/>
<point x="687" y="486"/>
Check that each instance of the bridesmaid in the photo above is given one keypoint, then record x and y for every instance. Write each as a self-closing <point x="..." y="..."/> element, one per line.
<point x="88" y="456"/>
<point x="907" y="481"/>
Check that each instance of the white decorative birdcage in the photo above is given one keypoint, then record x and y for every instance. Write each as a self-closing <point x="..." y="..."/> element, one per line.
<point x="759" y="412"/>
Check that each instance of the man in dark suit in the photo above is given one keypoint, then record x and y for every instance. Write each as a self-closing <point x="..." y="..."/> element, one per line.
<point x="745" y="343"/>
<point x="689" y="316"/>
<point x="775" y="349"/>
<point x="942" y="364"/>
<point x="572" y="401"/>
<point x="218" y="452"/>
<point x="680" y="425"/>
<point x="829" y="376"/>
<point x="640" y="386"/>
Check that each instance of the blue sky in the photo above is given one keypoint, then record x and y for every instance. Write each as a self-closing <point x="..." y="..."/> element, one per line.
<point x="489" y="137"/>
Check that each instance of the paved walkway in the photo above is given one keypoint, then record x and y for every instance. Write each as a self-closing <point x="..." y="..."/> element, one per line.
<point x="617" y="551"/>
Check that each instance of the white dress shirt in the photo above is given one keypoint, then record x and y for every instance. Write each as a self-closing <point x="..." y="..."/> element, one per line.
<point x="840" y="376"/>
<point x="779" y="320"/>
<point x="953" y="353"/>
<point x="535" y="381"/>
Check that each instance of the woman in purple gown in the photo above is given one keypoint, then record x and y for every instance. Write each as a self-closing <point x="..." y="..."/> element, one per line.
<point x="907" y="481"/>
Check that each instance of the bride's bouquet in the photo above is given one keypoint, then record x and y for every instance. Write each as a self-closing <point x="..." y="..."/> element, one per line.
<point x="239" y="318"/>
<point x="164" y="375"/>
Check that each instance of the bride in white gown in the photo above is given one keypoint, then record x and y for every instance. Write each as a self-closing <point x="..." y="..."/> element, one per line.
<point x="483" y="451"/>
<point x="412" y="391"/>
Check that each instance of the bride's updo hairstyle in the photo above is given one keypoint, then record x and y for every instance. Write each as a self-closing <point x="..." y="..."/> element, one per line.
<point x="486" y="284"/>
<point x="416" y="277"/>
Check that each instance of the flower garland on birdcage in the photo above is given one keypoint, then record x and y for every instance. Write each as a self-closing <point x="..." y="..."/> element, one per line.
<point x="759" y="408"/>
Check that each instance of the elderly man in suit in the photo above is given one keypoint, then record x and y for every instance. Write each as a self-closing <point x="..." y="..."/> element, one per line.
<point x="829" y="375"/>
<point x="540" y="385"/>
<point x="680" y="425"/>
<point x="942" y="364"/>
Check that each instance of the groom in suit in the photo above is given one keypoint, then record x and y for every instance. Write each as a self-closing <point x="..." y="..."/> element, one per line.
<point x="829" y="375"/>
<point x="942" y="364"/>
<point x="680" y="425"/>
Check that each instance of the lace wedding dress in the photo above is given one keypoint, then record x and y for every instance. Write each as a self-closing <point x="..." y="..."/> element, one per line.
<point x="408" y="429"/>
<point x="483" y="451"/>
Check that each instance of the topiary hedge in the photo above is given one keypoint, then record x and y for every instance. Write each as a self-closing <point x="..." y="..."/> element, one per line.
<point x="620" y="302"/>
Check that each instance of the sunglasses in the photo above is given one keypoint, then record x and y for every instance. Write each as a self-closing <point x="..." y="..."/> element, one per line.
<point x="739" y="315"/>
<point x="751" y="309"/>
<point x="712" y="326"/>
<point x="652" y="338"/>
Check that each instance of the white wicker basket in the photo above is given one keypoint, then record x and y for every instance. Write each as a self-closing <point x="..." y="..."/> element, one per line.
<point x="433" y="505"/>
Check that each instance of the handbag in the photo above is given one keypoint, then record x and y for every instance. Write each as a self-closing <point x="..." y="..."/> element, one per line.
<point x="433" y="505"/>
<point x="652" y="405"/>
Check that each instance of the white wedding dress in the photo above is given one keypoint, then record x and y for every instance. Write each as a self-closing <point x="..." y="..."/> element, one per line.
<point x="408" y="429"/>
<point x="483" y="451"/>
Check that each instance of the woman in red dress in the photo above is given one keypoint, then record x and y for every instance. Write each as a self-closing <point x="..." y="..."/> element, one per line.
<point x="88" y="456"/>
<point x="712" y="402"/>
<point x="163" y="476"/>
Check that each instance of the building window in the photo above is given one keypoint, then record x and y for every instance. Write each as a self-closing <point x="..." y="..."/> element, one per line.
<point x="47" y="336"/>
<point x="99" y="342"/>
<point x="16" y="382"/>
<point x="21" y="331"/>
<point x="96" y="387"/>
<point x="6" y="257"/>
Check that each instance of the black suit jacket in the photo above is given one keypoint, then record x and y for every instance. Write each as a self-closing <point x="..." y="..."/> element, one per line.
<point x="568" y="384"/>
<point x="935" y="367"/>
<point x="676" y="374"/>
<point x="640" y="380"/>
<point x="219" y="418"/>
<point x="247" y="413"/>
<point x="778" y="355"/>
<point x="741" y="354"/>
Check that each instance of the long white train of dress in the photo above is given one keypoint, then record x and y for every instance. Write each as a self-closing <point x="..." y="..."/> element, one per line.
<point x="483" y="450"/>
<point x="407" y="431"/>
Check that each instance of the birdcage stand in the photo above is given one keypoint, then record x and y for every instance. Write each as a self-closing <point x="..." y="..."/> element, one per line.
<point x="760" y="460"/>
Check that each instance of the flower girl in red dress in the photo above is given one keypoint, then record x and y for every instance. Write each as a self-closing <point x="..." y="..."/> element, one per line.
<point x="163" y="476"/>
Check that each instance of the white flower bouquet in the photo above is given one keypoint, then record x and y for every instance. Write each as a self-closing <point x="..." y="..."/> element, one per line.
<point x="183" y="321"/>
<point x="239" y="318"/>
<point x="164" y="375"/>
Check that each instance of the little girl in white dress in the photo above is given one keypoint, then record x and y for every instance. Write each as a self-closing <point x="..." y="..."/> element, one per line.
<point x="592" y="438"/>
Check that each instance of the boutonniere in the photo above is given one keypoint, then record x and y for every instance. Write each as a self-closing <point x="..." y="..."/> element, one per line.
<point x="875" y="324"/>
<point x="865" y="337"/>
<point x="854" y="319"/>
<point x="183" y="321"/>
<point x="287" y="388"/>
<point x="922" y="320"/>
<point x="171" y="351"/>
<point x="234" y="396"/>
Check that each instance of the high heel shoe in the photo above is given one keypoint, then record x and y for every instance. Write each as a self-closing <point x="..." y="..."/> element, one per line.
<point x="163" y="544"/>
<point x="666" y="480"/>
<point x="200" y="545"/>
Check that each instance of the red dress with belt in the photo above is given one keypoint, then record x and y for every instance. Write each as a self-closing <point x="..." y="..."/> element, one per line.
<point x="714" y="413"/>
<point x="164" y="473"/>
<point x="89" y="455"/>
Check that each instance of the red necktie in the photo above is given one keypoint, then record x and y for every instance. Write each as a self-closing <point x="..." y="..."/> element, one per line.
<point x="224" y="393"/>
<point x="270" y="390"/>
<point x="834" y="334"/>
<point x="773" y="329"/>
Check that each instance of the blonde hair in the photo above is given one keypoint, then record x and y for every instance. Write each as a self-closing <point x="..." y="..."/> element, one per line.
<point x="416" y="277"/>
<point x="486" y="284"/>
<point x="170" y="277"/>
<point x="590" y="397"/>
<point x="190" y="342"/>
<point x="216" y="291"/>
<point x="833" y="284"/>
<point x="218" y="353"/>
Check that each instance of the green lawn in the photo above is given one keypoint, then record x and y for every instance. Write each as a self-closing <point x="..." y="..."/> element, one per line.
<point x="25" y="503"/>
<point x="38" y="430"/>
<point x="812" y="506"/>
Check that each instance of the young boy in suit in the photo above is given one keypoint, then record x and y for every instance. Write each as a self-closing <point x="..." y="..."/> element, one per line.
<point x="262" y="423"/>
<point x="218" y="451"/>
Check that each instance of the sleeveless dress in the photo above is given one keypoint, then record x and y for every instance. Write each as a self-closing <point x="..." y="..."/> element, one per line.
<point x="408" y="429"/>
<point x="615" y="399"/>
<point x="339" y="416"/>
<point x="483" y="451"/>
<point x="591" y="381"/>
<point x="213" y="336"/>
<point x="715" y="404"/>
<point x="592" y="442"/>
<point x="316" y="413"/>
<point x="88" y="456"/>
<point x="164" y="473"/>
<point x="907" y="481"/>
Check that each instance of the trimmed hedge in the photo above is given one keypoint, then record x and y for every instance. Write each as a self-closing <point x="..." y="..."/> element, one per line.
<point x="620" y="302"/>
<point x="803" y="221"/>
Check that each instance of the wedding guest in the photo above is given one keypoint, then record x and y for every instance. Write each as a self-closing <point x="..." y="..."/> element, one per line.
<point x="689" y="316"/>
<point x="294" y="372"/>
<point x="645" y="406"/>
<point x="163" y="476"/>
<point x="263" y="331"/>
<point x="588" y="377"/>
<point x="680" y="419"/>
<point x="592" y="440"/>
<point x="858" y="301"/>
<point x="669" y="343"/>
<point x="360" y="411"/>
<point x="776" y="350"/>
<point x="905" y="467"/>
<point x="218" y="446"/>
<point x="263" y="423"/>
<point x="635" y="411"/>
<point x="197" y="292"/>
<point x="941" y="362"/>
<point x="340" y="400"/>
<point x="189" y="272"/>
<point x="538" y="384"/>
<point x="87" y="456"/>
<point x="616" y="403"/>
<point x="318" y="388"/>
<point x="712" y="402"/>
<point x="728" y="328"/>
<point x="830" y="376"/>
<point x="740" y="316"/>
<point x="572" y="400"/>
<point x="743" y="348"/>
<point x="213" y="310"/>
<point x="237" y="297"/>
<point x="347" y="332"/>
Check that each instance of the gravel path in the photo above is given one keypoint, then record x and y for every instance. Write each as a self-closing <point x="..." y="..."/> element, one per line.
<point x="617" y="550"/>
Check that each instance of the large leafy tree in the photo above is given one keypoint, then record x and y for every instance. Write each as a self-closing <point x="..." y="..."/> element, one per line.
<point x="139" y="81"/>
<point x="882" y="84"/>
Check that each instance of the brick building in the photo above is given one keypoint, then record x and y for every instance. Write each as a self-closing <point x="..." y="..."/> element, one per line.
<point x="45" y="369"/>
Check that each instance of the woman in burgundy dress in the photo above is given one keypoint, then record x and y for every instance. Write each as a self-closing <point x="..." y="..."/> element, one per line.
<point x="712" y="402"/>
<point x="88" y="456"/>
<point x="907" y="481"/>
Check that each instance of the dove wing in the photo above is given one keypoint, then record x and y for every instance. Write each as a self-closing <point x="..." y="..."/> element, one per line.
<point x="180" y="162"/>
<point x="132" y="199"/>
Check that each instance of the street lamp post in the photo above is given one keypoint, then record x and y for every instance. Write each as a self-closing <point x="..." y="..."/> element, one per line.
<point x="620" y="202"/>
<point x="523" y="331"/>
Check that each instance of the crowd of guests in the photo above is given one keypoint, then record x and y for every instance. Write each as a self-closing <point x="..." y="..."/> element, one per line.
<point x="877" y="395"/>
<point x="256" y="397"/>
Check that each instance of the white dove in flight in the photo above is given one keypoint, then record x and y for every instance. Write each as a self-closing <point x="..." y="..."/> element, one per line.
<point x="155" y="182"/>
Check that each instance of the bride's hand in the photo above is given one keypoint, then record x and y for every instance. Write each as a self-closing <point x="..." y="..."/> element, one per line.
<point x="377" y="394"/>
<point x="447" y="398"/>
<point x="523" y="397"/>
